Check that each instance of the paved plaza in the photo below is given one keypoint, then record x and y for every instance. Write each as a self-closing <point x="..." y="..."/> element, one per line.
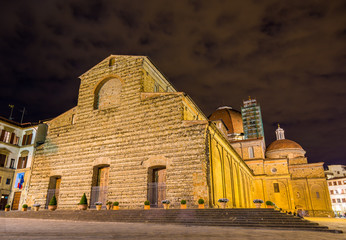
<point x="21" y="228"/>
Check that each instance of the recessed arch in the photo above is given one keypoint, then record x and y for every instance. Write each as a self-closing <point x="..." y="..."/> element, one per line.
<point x="107" y="92"/>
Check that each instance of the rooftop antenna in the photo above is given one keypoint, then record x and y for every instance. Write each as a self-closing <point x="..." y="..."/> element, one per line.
<point x="23" y="112"/>
<point x="11" y="106"/>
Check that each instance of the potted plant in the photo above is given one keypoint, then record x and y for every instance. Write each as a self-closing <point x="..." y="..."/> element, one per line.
<point x="36" y="207"/>
<point x="116" y="206"/>
<point x="183" y="204"/>
<point x="98" y="206"/>
<point x="83" y="204"/>
<point x="165" y="203"/>
<point x="52" y="204"/>
<point x="24" y="207"/>
<point x="7" y="208"/>
<point x="109" y="205"/>
<point x="258" y="203"/>
<point x="200" y="203"/>
<point x="223" y="202"/>
<point x="146" y="205"/>
<point x="270" y="204"/>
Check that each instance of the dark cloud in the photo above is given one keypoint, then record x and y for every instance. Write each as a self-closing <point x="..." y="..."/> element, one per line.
<point x="289" y="55"/>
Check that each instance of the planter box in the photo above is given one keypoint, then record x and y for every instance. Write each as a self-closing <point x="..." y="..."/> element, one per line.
<point x="82" y="206"/>
<point x="51" y="207"/>
<point x="115" y="207"/>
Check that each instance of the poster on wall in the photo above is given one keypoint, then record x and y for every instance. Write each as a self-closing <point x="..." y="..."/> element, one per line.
<point x="19" y="180"/>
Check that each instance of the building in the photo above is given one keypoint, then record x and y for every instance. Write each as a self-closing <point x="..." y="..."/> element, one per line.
<point x="281" y="171"/>
<point x="335" y="171"/>
<point x="133" y="137"/>
<point x="252" y="119"/>
<point x="16" y="154"/>
<point x="336" y="178"/>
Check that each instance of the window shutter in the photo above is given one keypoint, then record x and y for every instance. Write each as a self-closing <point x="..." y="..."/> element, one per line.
<point x="2" y="135"/>
<point x="19" y="165"/>
<point x="29" y="139"/>
<point x="24" y="140"/>
<point x="2" y="160"/>
<point x="12" y="138"/>
<point x="25" y="160"/>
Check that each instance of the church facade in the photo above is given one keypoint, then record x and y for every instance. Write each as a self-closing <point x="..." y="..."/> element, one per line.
<point x="281" y="171"/>
<point x="133" y="137"/>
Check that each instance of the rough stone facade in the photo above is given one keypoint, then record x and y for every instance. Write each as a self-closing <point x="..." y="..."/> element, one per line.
<point x="132" y="132"/>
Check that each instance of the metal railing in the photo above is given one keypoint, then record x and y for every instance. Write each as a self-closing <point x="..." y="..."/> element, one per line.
<point x="50" y="194"/>
<point x="98" y="194"/>
<point x="156" y="193"/>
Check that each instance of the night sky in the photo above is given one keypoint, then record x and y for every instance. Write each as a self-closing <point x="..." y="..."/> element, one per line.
<point x="289" y="55"/>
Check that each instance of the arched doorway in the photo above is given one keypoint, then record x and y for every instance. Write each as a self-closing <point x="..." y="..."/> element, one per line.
<point x="156" y="185"/>
<point x="53" y="189"/>
<point x="99" y="188"/>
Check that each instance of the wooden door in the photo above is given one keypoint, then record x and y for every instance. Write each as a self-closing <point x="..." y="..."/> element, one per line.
<point x="57" y="188"/>
<point x="16" y="199"/>
<point x="103" y="176"/>
<point x="160" y="179"/>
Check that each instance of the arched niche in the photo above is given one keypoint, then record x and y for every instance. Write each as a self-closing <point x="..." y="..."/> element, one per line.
<point x="107" y="93"/>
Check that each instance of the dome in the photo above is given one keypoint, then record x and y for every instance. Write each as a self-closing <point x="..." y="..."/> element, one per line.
<point x="231" y="118"/>
<point x="283" y="144"/>
<point x="284" y="148"/>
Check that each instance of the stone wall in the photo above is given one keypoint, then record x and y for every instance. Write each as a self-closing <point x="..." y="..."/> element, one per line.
<point x="125" y="136"/>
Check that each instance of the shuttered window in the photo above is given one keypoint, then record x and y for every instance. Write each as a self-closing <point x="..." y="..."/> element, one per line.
<point x="2" y="136"/>
<point x="27" y="139"/>
<point x="2" y="160"/>
<point x="22" y="161"/>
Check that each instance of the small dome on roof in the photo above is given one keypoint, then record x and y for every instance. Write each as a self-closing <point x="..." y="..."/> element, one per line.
<point x="283" y="144"/>
<point x="284" y="148"/>
<point x="231" y="118"/>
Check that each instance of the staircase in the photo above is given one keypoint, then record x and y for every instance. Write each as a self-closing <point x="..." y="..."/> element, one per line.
<point x="251" y="218"/>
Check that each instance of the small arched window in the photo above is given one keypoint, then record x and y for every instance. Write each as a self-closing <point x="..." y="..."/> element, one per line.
<point x="107" y="94"/>
<point x="111" y="62"/>
<point x="251" y="152"/>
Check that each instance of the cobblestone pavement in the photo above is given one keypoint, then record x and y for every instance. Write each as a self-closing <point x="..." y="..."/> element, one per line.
<point x="20" y="228"/>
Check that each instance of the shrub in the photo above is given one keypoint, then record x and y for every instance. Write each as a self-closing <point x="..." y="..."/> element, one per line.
<point x="84" y="200"/>
<point x="25" y="206"/>
<point x="165" y="201"/>
<point x="269" y="203"/>
<point x="7" y="206"/>
<point x="116" y="204"/>
<point x="200" y="201"/>
<point x="53" y="201"/>
<point x="147" y="203"/>
<point x="108" y="203"/>
<point x="98" y="203"/>
<point x="183" y="202"/>
<point x="36" y="205"/>
<point x="258" y="201"/>
<point x="223" y="200"/>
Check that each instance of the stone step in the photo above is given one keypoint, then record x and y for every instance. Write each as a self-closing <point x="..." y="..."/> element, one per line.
<point x="252" y="218"/>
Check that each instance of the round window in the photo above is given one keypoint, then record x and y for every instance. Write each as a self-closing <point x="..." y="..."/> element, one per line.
<point x="274" y="170"/>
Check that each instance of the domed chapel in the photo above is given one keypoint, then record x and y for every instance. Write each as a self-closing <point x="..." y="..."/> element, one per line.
<point x="133" y="137"/>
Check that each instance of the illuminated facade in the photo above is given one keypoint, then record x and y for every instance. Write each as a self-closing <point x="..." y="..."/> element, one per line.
<point x="16" y="154"/>
<point x="281" y="171"/>
<point x="132" y="137"/>
<point x="336" y="175"/>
